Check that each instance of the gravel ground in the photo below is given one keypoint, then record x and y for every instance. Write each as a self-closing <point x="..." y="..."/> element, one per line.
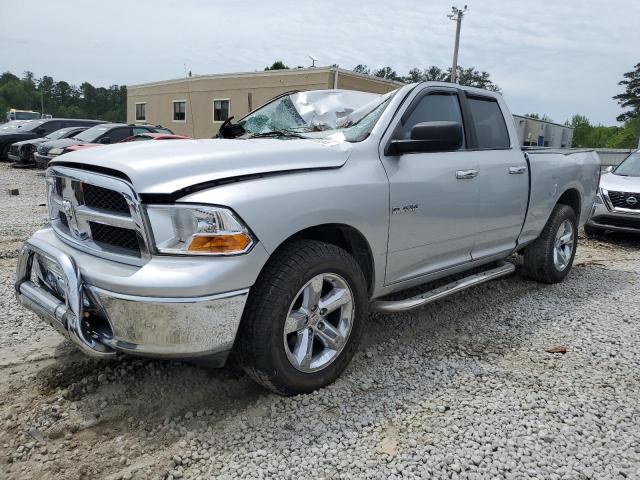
<point x="463" y="388"/>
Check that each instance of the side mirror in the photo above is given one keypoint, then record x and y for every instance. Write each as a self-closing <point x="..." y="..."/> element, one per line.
<point x="609" y="169"/>
<point x="429" y="137"/>
<point x="105" y="140"/>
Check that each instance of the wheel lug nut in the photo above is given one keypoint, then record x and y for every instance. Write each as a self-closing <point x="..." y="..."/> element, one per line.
<point x="323" y="311"/>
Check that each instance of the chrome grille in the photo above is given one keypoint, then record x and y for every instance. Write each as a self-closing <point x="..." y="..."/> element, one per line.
<point x="99" y="197"/>
<point x="626" y="200"/>
<point x="116" y="237"/>
<point x="98" y="214"/>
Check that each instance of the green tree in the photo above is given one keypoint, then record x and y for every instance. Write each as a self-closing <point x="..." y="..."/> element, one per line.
<point x="435" y="74"/>
<point x="625" y="136"/>
<point x="277" y="65"/>
<point x="470" y="77"/>
<point x="61" y="99"/>
<point x="387" y="73"/>
<point x="630" y="99"/>
<point x="586" y="135"/>
<point x="362" y="69"/>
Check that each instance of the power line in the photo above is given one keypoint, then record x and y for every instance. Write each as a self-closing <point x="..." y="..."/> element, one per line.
<point x="456" y="15"/>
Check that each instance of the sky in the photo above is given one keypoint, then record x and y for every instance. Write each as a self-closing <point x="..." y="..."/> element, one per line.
<point x="549" y="57"/>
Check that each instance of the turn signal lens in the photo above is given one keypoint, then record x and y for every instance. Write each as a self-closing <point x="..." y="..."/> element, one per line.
<point x="224" y="243"/>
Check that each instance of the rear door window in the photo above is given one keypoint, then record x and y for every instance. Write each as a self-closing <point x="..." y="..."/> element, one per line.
<point x="491" y="131"/>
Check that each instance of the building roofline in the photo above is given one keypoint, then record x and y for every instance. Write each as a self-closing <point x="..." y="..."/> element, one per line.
<point x="544" y="121"/>
<point x="267" y="73"/>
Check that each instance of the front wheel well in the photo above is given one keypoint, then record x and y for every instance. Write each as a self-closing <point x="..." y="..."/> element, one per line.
<point x="571" y="198"/>
<point x="346" y="237"/>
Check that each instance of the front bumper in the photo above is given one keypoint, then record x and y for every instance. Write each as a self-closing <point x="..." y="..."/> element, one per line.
<point x="103" y="322"/>
<point x="606" y="218"/>
<point x="13" y="157"/>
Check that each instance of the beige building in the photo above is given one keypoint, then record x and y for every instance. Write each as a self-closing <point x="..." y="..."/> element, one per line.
<point x="196" y="106"/>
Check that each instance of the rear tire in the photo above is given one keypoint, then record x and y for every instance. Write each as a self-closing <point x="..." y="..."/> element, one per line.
<point x="550" y="257"/>
<point x="291" y="307"/>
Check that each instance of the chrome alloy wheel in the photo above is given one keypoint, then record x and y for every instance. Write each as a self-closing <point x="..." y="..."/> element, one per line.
<point x="563" y="245"/>
<point x="319" y="322"/>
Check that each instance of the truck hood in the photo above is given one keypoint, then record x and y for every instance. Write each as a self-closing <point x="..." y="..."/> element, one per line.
<point x="618" y="183"/>
<point x="169" y="166"/>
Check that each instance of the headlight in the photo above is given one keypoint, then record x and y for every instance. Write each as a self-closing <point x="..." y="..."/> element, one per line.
<point x="56" y="151"/>
<point x="198" y="230"/>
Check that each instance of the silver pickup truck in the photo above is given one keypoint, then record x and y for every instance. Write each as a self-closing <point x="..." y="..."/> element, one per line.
<point x="274" y="241"/>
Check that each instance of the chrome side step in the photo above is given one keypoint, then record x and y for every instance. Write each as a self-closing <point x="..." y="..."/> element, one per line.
<point x="505" y="268"/>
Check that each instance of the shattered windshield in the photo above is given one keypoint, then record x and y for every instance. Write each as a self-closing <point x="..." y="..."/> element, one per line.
<point x="630" y="167"/>
<point x="340" y="115"/>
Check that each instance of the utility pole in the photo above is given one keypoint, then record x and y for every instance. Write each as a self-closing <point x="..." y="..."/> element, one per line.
<point x="456" y="15"/>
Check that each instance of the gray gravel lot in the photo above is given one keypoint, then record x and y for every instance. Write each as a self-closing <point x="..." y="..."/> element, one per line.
<point x="463" y="388"/>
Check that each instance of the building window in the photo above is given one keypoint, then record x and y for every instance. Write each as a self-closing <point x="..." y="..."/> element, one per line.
<point x="141" y="111"/>
<point x="220" y="110"/>
<point x="179" y="110"/>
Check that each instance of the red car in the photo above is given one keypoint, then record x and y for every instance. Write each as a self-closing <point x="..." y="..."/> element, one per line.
<point x="134" y="138"/>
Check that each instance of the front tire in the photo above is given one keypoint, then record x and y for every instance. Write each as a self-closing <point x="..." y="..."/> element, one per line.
<point x="4" y="153"/>
<point x="550" y="257"/>
<point x="304" y="318"/>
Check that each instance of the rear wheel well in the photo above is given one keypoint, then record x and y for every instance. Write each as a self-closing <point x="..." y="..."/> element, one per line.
<point x="571" y="198"/>
<point x="347" y="238"/>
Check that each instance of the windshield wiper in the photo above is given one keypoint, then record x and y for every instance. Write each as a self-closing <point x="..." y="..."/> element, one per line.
<point x="276" y="133"/>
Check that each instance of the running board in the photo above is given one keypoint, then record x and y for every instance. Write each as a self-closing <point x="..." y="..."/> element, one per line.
<point x="505" y="268"/>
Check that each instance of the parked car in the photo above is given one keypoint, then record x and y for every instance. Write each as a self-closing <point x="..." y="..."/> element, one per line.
<point x="22" y="152"/>
<point x="617" y="206"/>
<point x="104" y="134"/>
<point x="135" y="138"/>
<point x="276" y="244"/>
<point x="31" y="129"/>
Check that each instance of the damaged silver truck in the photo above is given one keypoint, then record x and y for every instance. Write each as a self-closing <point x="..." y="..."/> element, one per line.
<point x="273" y="242"/>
